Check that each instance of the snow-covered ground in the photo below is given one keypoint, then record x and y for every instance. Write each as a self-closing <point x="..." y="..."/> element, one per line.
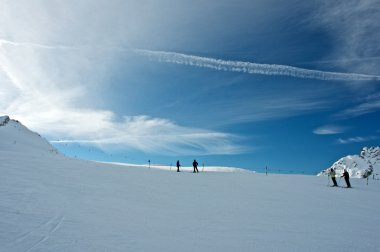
<point x="52" y="203"/>
<point x="184" y="168"/>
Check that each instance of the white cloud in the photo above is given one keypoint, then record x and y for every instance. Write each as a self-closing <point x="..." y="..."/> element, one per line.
<point x="329" y="130"/>
<point x="53" y="55"/>
<point x="354" y="31"/>
<point x="46" y="92"/>
<point x="273" y="106"/>
<point x="4" y="42"/>
<point x="51" y="112"/>
<point x="265" y="107"/>
<point x="357" y="139"/>
<point x="156" y="135"/>
<point x="370" y="104"/>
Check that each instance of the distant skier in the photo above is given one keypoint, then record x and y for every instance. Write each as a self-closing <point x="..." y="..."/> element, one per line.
<point x="195" y="165"/>
<point x="333" y="175"/>
<point x="178" y="165"/>
<point x="347" y="178"/>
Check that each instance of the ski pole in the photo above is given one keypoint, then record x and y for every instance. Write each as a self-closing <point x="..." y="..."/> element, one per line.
<point x="328" y="180"/>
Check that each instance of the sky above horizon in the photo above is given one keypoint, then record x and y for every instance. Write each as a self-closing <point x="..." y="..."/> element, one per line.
<point x="291" y="85"/>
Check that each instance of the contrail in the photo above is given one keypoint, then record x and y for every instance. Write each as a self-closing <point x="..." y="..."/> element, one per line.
<point x="252" y="68"/>
<point x="218" y="64"/>
<point x="62" y="47"/>
<point x="35" y="45"/>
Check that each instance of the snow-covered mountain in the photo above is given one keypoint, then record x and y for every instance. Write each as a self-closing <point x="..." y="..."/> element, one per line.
<point x="15" y="137"/>
<point x="49" y="202"/>
<point x="365" y="164"/>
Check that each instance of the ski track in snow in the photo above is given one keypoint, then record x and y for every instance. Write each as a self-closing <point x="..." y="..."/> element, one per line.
<point x="43" y="232"/>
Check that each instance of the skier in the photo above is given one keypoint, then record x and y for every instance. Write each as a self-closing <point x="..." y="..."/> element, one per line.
<point x="333" y="174"/>
<point x="195" y="165"/>
<point x="178" y="165"/>
<point x="346" y="178"/>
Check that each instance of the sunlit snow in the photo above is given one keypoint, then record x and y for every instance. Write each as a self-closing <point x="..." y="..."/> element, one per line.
<point x="49" y="202"/>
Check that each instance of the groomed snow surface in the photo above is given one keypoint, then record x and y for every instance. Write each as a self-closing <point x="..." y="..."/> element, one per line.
<point x="52" y="203"/>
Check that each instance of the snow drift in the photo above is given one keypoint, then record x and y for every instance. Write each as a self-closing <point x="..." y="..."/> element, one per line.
<point x="358" y="166"/>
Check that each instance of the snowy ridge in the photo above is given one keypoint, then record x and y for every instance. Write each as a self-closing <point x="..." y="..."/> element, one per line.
<point x="358" y="166"/>
<point x="15" y="137"/>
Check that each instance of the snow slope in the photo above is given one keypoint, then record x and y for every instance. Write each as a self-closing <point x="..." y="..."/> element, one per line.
<point x="16" y="138"/>
<point x="185" y="168"/>
<point x="51" y="203"/>
<point x="358" y="166"/>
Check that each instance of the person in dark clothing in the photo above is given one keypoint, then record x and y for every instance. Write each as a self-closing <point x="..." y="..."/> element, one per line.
<point x="178" y="165"/>
<point x="195" y="165"/>
<point x="333" y="175"/>
<point x="347" y="178"/>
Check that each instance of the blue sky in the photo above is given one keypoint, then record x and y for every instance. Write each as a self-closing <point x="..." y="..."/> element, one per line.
<point x="293" y="85"/>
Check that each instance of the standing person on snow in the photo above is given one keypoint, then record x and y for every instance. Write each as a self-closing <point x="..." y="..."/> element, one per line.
<point x="195" y="165"/>
<point x="178" y="165"/>
<point x="347" y="178"/>
<point x="333" y="175"/>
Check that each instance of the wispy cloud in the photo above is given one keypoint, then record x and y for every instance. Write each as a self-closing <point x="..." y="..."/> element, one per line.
<point x="272" y="106"/>
<point x="156" y="135"/>
<point x="251" y="68"/>
<point x="357" y="139"/>
<point x="264" y="107"/>
<point x="370" y="104"/>
<point x="356" y="36"/>
<point x="101" y="128"/>
<point x="44" y="94"/>
<point x="36" y="45"/>
<point x="329" y="130"/>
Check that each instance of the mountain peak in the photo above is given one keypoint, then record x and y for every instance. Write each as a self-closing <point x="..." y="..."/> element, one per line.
<point x="358" y="166"/>
<point x="371" y="152"/>
<point x="4" y="120"/>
